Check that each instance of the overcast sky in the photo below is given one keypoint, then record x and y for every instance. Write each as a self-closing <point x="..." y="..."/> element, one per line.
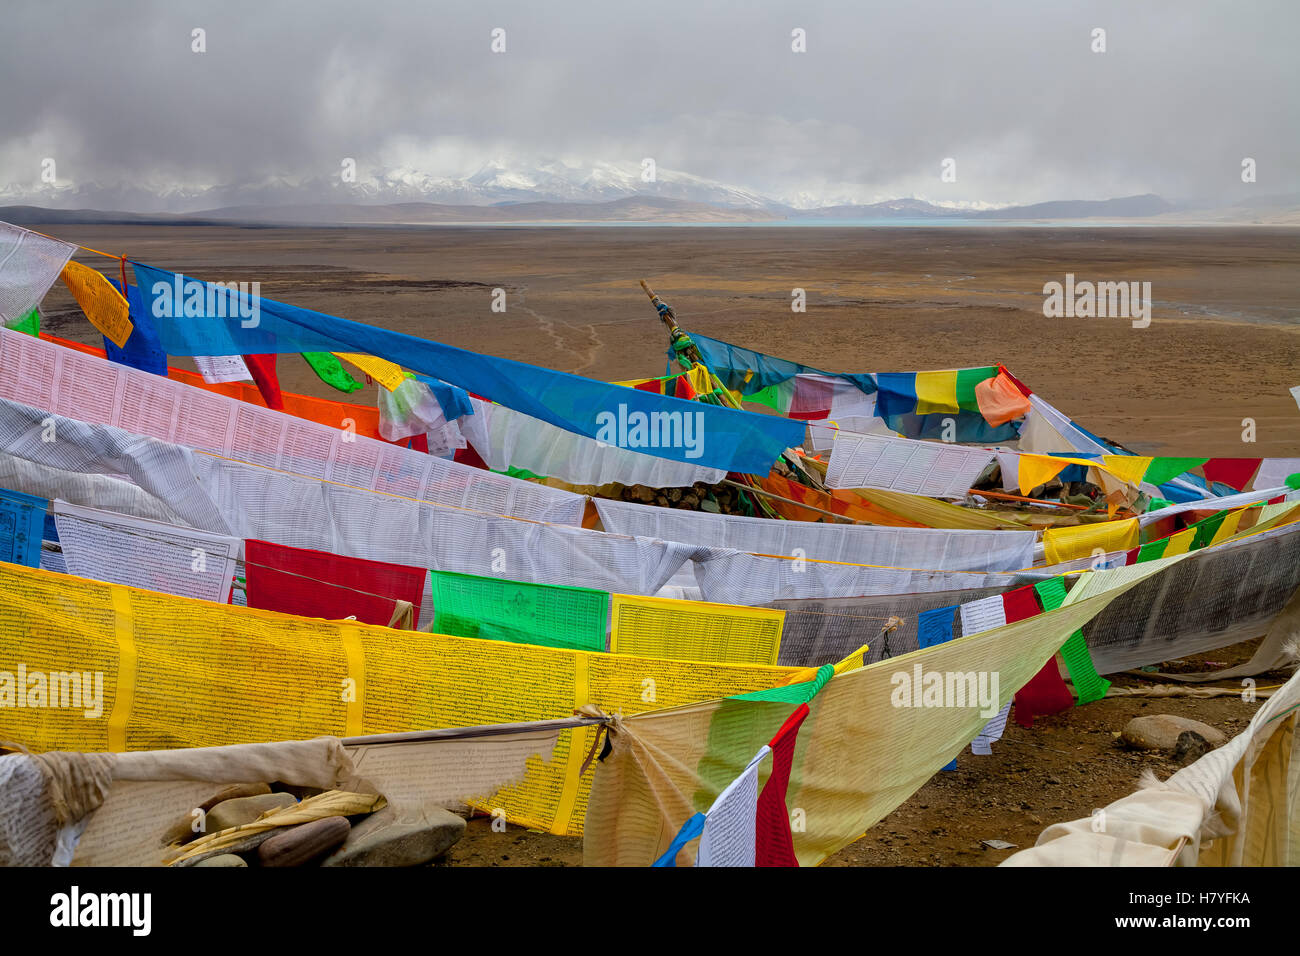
<point x="885" y="91"/>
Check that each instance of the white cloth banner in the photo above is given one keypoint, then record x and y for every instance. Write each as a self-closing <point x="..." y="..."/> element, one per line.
<point x="504" y="438"/>
<point x="821" y="435"/>
<point x="735" y="577"/>
<point x="937" y="549"/>
<point x="105" y="546"/>
<point x="412" y="409"/>
<point x="218" y="369"/>
<point x="1219" y="504"/>
<point x="976" y="616"/>
<point x="1009" y="461"/>
<point x="91" y="389"/>
<point x="853" y="412"/>
<point x="29" y="264"/>
<point x="982" y="615"/>
<point x="1047" y="430"/>
<point x="242" y="500"/>
<point x="1273" y="472"/>
<point x="730" y="833"/>
<point x="982" y="745"/>
<point x="934" y="469"/>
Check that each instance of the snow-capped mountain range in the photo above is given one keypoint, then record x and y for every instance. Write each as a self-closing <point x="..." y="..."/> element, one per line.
<point x="554" y="190"/>
<point x="496" y="182"/>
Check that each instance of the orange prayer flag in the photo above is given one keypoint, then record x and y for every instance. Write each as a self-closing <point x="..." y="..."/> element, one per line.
<point x="105" y="307"/>
<point x="1000" y="400"/>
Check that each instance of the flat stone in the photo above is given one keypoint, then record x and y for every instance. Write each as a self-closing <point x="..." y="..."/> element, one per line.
<point x="183" y="830"/>
<point x="305" y="843"/>
<point x="247" y="845"/>
<point x="235" y="792"/>
<point x="241" y="810"/>
<point x="1161" y="732"/>
<point x="223" y="859"/>
<point x="409" y="836"/>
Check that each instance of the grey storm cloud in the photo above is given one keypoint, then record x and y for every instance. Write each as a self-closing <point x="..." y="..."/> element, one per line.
<point x="1011" y="90"/>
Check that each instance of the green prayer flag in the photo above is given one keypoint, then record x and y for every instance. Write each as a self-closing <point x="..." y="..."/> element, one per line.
<point x="494" y="609"/>
<point x="1152" y="550"/>
<point x="792" y="693"/>
<point x="1051" y="592"/>
<point x="331" y="371"/>
<point x="766" y="396"/>
<point x="1088" y="685"/>
<point x="967" y="379"/>
<point x="523" y="474"/>
<point x="30" y="324"/>
<point x="1206" y="530"/>
<point x="1163" y="469"/>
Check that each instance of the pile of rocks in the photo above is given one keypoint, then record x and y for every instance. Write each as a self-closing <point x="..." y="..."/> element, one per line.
<point x="719" y="499"/>
<point x="386" y="836"/>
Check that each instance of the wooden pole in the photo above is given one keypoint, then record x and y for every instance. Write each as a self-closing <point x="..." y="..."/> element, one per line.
<point x="721" y="395"/>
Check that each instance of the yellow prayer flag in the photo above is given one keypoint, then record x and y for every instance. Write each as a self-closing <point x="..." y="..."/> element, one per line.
<point x="1127" y="468"/>
<point x="700" y="380"/>
<point x="1179" y="543"/>
<point x="1229" y="526"/>
<point x="381" y="370"/>
<point x="104" y="306"/>
<point x="1080" y="541"/>
<point x="936" y="392"/>
<point x="1039" y="469"/>
<point x="694" y="630"/>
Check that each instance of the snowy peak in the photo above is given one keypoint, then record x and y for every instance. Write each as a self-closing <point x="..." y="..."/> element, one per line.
<point x="495" y="182"/>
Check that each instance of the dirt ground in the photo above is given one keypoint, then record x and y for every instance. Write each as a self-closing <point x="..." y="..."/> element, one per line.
<point x="1223" y="345"/>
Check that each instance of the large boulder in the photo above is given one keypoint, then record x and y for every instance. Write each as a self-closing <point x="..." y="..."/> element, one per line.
<point x="1161" y="732"/>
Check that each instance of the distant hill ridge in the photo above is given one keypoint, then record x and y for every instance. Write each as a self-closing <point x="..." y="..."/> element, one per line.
<point x="647" y="208"/>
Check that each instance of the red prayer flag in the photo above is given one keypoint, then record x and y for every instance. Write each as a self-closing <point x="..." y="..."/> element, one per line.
<point x="1233" y="472"/>
<point x="468" y="456"/>
<point x="262" y="368"/>
<point x="1020" y="604"/>
<point x="1024" y="389"/>
<point x="319" y="584"/>
<point x="1046" y="692"/>
<point x="774" y="843"/>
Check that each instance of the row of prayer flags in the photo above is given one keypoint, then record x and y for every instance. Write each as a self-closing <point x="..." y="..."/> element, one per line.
<point x="130" y="338"/>
<point x="689" y="384"/>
